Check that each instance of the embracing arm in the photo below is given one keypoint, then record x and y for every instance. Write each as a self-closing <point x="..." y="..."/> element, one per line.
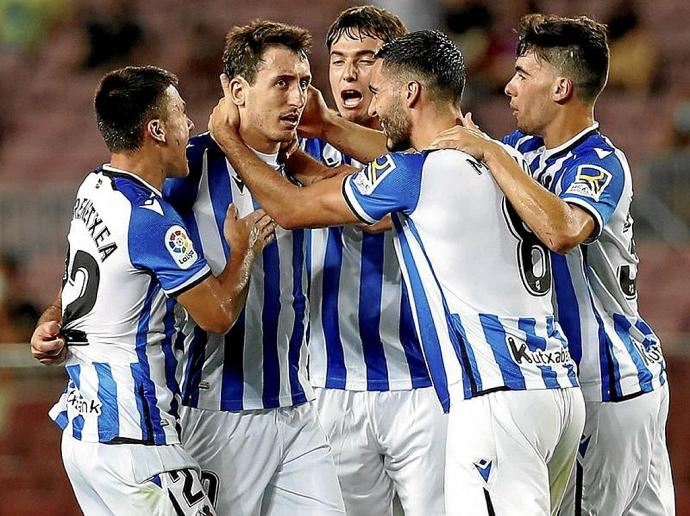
<point x="307" y="170"/>
<point x="317" y="205"/>
<point x="559" y="225"/>
<point x="358" y="142"/>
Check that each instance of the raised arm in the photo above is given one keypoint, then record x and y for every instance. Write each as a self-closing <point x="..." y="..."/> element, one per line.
<point x="559" y="225"/>
<point x="359" y="142"/>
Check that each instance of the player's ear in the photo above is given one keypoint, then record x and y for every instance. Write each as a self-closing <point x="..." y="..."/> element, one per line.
<point x="562" y="89"/>
<point x="238" y="90"/>
<point x="156" y="131"/>
<point x="411" y="93"/>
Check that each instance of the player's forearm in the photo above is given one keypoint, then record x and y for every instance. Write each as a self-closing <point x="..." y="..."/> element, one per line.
<point x="551" y="219"/>
<point x="307" y="170"/>
<point x="276" y="195"/>
<point x="354" y="140"/>
<point x="53" y="312"/>
<point x="234" y="284"/>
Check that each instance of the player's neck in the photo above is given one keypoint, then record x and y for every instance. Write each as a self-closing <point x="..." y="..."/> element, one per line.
<point x="142" y="165"/>
<point x="566" y="124"/>
<point x="257" y="141"/>
<point x="429" y="122"/>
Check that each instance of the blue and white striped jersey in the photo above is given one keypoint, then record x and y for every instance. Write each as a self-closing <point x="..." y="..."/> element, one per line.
<point x="478" y="281"/>
<point x="129" y="255"/>
<point x="262" y="361"/>
<point x="362" y="334"/>
<point x="595" y="293"/>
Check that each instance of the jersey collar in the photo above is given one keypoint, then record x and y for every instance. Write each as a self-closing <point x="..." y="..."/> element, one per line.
<point x="270" y="159"/>
<point x="119" y="172"/>
<point x="572" y="142"/>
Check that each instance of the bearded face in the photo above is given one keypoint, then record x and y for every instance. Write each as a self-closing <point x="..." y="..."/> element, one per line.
<point x="396" y="126"/>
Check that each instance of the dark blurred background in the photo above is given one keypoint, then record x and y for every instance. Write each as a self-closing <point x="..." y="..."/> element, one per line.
<point x="53" y="52"/>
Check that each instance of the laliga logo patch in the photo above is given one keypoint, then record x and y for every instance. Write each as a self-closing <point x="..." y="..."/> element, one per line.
<point x="590" y="181"/>
<point x="369" y="178"/>
<point x="180" y="247"/>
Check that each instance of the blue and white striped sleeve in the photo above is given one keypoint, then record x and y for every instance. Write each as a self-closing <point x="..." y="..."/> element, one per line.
<point x="595" y="185"/>
<point x="159" y="243"/>
<point x="389" y="184"/>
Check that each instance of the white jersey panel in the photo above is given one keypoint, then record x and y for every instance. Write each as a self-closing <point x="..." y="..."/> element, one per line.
<point x="480" y="281"/>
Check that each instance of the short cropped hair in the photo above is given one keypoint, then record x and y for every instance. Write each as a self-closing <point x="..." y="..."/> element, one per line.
<point x="576" y="47"/>
<point x="245" y="46"/>
<point x="126" y="99"/>
<point x="366" y="20"/>
<point x="430" y="57"/>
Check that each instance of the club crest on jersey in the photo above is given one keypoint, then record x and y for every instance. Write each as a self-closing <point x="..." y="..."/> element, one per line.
<point x="367" y="180"/>
<point x="180" y="247"/>
<point x="590" y="181"/>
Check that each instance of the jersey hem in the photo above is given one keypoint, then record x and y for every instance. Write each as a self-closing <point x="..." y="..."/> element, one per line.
<point x="252" y="404"/>
<point x="629" y="386"/>
<point x="363" y="385"/>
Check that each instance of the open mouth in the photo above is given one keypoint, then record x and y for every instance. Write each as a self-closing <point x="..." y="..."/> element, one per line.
<point x="351" y="98"/>
<point x="291" y="119"/>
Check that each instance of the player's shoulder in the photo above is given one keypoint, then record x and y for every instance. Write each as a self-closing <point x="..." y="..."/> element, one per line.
<point x="323" y="151"/>
<point x="146" y="204"/>
<point x="199" y="145"/>
<point x="523" y="142"/>
<point x="597" y="152"/>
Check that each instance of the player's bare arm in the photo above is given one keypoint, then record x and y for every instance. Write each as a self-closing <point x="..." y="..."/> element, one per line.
<point x="306" y="170"/>
<point x="320" y="204"/>
<point x="216" y="303"/>
<point x="559" y="225"/>
<point x="47" y="345"/>
<point x="357" y="141"/>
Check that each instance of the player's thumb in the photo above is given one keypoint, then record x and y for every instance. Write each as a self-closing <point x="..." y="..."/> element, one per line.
<point x="51" y="329"/>
<point x="232" y="212"/>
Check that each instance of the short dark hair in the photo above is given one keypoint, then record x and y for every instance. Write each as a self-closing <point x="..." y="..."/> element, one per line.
<point x="577" y="47"/>
<point x="366" y="20"/>
<point x="429" y="56"/>
<point x="128" y="98"/>
<point x="245" y="45"/>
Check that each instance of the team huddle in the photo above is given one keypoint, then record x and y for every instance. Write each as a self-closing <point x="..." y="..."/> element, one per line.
<point x="391" y="305"/>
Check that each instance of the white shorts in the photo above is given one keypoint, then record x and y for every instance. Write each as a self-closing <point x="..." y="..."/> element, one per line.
<point x="511" y="452"/>
<point x="273" y="461"/>
<point x="622" y="464"/>
<point x="133" y="479"/>
<point x="386" y="443"/>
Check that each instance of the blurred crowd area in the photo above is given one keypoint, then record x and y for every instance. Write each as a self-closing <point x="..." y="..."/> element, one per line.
<point x="53" y="52"/>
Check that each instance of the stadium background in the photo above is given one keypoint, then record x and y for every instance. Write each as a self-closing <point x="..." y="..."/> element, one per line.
<point x="52" y="53"/>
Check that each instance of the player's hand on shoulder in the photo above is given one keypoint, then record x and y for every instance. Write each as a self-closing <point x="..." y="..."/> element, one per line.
<point x="314" y="116"/>
<point x="47" y="345"/>
<point x="465" y="136"/>
<point x="254" y="231"/>
<point x="225" y="117"/>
